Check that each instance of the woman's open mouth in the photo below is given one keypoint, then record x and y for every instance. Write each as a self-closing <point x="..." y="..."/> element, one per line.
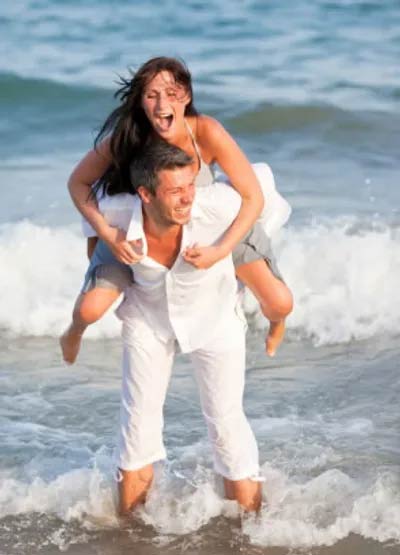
<point x="164" y="121"/>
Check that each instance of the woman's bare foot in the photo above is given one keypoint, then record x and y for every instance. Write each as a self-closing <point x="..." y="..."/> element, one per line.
<point x="274" y="337"/>
<point x="70" y="343"/>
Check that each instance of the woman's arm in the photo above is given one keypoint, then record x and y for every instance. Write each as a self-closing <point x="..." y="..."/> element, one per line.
<point x="85" y="174"/>
<point x="218" y="145"/>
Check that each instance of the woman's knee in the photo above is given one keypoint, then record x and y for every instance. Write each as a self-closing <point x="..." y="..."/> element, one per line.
<point x="87" y="313"/>
<point x="280" y="306"/>
<point x="93" y="305"/>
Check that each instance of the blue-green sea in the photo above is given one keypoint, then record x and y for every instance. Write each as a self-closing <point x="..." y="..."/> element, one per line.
<point x="312" y="88"/>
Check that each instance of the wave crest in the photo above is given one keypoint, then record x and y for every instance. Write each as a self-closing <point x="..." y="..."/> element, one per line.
<point x="343" y="276"/>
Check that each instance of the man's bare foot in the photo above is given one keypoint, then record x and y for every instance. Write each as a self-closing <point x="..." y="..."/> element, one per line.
<point x="274" y="337"/>
<point x="70" y="343"/>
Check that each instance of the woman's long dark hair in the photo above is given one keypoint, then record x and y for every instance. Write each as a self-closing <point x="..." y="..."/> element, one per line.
<point x="127" y="126"/>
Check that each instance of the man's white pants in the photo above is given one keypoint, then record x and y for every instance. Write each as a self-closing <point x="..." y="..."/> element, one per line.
<point x="219" y="370"/>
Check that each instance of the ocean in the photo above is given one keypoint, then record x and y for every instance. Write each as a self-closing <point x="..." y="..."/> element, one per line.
<point x="312" y="88"/>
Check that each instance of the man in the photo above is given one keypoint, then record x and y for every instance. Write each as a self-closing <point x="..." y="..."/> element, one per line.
<point x="172" y="303"/>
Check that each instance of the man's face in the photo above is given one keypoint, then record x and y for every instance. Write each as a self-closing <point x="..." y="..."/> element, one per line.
<point x="172" y="202"/>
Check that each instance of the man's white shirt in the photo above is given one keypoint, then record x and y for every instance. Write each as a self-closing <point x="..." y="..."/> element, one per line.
<point x="183" y="301"/>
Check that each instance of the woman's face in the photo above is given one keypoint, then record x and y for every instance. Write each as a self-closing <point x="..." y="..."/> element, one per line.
<point x="164" y="102"/>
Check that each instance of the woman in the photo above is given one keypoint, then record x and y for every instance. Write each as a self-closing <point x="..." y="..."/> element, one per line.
<point x="158" y="102"/>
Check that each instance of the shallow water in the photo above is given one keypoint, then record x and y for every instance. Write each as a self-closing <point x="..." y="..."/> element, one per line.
<point x="327" y="423"/>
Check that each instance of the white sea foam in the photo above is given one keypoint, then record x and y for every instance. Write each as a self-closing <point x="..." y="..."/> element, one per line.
<point x="325" y="510"/>
<point x="344" y="281"/>
<point x="82" y="494"/>
<point x="42" y="273"/>
<point x="318" y="511"/>
<point x="308" y="500"/>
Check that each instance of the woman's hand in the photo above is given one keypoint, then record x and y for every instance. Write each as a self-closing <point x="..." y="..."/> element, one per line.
<point x="128" y="252"/>
<point x="203" y="257"/>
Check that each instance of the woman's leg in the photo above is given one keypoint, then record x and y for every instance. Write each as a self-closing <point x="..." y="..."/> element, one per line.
<point x="105" y="280"/>
<point x="274" y="296"/>
<point x="89" y="308"/>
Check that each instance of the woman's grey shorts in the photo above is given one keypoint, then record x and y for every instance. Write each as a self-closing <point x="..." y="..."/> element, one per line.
<point x="106" y="271"/>
<point x="256" y="246"/>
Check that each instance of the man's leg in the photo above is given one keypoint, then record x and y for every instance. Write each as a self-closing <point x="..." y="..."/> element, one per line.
<point x="147" y="364"/>
<point x="133" y="487"/>
<point x="246" y="492"/>
<point x="219" y="370"/>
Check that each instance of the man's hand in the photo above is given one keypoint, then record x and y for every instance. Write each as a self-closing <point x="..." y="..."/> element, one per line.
<point x="203" y="257"/>
<point x="128" y="252"/>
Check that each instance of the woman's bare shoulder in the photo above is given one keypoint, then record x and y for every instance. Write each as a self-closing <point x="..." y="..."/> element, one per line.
<point x="208" y="133"/>
<point x="207" y="126"/>
<point x="103" y="148"/>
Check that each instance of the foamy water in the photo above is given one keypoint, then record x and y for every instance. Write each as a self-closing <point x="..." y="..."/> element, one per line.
<point x="329" y="458"/>
<point x="297" y="512"/>
<point x="343" y="275"/>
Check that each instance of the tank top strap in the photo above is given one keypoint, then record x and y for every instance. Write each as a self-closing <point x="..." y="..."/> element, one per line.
<point x="205" y="175"/>
<point x="196" y="146"/>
